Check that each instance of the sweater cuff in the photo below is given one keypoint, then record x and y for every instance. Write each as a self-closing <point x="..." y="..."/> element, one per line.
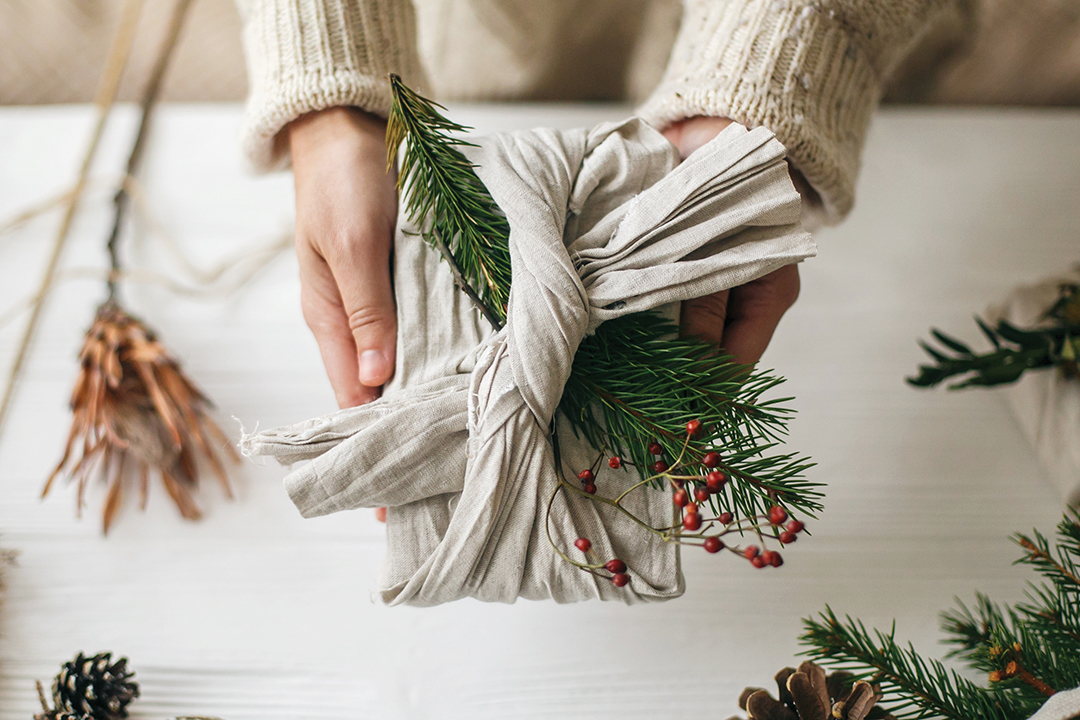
<point x="797" y="68"/>
<point x="308" y="55"/>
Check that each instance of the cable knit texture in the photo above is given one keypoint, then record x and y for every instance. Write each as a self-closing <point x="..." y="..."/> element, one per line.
<point x="811" y="72"/>
<point x="307" y="55"/>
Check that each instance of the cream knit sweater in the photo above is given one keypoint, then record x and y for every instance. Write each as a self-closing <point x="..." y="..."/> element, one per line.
<point x="809" y="70"/>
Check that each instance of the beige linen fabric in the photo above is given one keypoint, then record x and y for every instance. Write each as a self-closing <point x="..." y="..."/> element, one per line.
<point x="603" y="223"/>
<point x="1062" y="706"/>
<point x="1045" y="403"/>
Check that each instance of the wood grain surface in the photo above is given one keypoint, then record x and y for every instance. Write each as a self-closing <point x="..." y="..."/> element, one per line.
<point x="254" y="613"/>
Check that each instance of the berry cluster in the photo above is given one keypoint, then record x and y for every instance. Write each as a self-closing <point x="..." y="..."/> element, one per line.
<point x="696" y="482"/>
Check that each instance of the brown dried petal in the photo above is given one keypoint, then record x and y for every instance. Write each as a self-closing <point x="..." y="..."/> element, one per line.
<point x="839" y="684"/>
<point x="781" y="683"/>
<point x="762" y="706"/>
<point x="857" y="705"/>
<point x="746" y="693"/>
<point x="818" y="681"/>
<point x="807" y="699"/>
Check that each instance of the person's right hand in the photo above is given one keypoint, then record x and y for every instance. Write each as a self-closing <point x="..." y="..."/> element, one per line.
<point x="346" y="209"/>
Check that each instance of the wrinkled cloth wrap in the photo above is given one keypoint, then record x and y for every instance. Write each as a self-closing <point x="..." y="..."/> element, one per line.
<point x="1045" y="403"/>
<point x="1064" y="705"/>
<point x="603" y="222"/>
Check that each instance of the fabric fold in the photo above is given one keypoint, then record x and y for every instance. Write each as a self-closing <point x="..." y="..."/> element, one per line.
<point x="603" y="223"/>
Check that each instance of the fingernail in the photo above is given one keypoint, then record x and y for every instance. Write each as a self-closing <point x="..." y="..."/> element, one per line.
<point x="373" y="370"/>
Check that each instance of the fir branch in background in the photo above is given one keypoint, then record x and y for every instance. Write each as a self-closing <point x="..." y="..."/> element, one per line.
<point x="1015" y="350"/>
<point x="632" y="389"/>
<point x="1027" y="652"/>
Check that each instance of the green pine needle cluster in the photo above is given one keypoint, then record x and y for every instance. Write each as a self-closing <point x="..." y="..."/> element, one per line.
<point x="1027" y="651"/>
<point x="1016" y="351"/>
<point x="439" y="184"/>
<point x="633" y="382"/>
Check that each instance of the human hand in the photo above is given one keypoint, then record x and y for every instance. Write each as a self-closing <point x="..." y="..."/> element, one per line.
<point x="741" y="320"/>
<point x="346" y="209"/>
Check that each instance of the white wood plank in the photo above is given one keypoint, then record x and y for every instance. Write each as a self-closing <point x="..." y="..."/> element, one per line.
<point x="255" y="613"/>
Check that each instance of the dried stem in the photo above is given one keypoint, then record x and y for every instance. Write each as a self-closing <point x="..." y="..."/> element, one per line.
<point x="104" y="98"/>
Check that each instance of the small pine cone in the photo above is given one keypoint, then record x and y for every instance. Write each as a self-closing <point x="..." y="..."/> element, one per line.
<point x="808" y="694"/>
<point x="61" y="715"/>
<point x="95" y="687"/>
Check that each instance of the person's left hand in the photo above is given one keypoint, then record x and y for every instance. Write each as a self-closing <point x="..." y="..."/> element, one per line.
<point x="741" y="320"/>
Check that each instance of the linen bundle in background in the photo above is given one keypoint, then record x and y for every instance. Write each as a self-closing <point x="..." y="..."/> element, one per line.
<point x="603" y="223"/>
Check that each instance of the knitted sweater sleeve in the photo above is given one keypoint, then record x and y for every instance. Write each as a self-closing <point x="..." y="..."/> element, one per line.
<point x="811" y="71"/>
<point x="307" y="55"/>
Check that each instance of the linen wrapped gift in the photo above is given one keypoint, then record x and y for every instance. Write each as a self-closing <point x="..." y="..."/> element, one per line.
<point x="603" y="222"/>
<point x="1045" y="403"/>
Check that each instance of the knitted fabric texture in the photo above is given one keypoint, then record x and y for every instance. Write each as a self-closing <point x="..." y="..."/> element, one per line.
<point x="603" y="223"/>
<point x="811" y="71"/>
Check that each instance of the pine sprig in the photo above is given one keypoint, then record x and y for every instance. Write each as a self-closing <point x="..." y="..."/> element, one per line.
<point x="914" y="688"/>
<point x="634" y="382"/>
<point x="437" y="181"/>
<point x="1015" y="350"/>
<point x="1027" y="652"/>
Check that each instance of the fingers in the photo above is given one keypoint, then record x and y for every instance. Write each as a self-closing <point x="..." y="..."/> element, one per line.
<point x="324" y="313"/>
<point x="742" y="320"/>
<point x="754" y="310"/>
<point x="346" y="209"/>
<point x="704" y="317"/>
<point x="690" y="134"/>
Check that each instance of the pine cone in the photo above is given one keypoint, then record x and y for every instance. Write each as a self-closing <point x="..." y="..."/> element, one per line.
<point x="807" y="694"/>
<point x="61" y="715"/>
<point x="94" y="688"/>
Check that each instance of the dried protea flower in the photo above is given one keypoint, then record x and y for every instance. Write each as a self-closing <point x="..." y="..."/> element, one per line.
<point x="135" y="413"/>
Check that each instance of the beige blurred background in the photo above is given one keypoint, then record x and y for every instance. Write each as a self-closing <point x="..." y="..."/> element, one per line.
<point x="1010" y="52"/>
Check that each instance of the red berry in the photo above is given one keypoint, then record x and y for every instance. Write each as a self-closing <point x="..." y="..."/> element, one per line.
<point x="795" y="526"/>
<point x="620" y="579"/>
<point x="655" y="449"/>
<point x="701" y="494"/>
<point x="585" y="476"/>
<point x="692" y="509"/>
<point x="590" y="488"/>
<point x="711" y="459"/>
<point x="776" y="560"/>
<point x="615" y="566"/>
<point x="693" y="427"/>
<point x="777" y="515"/>
<point x="614" y="463"/>
<point x="659" y="466"/>
<point x="767" y="556"/>
<point x="751" y="552"/>
<point x="380" y="514"/>
<point x="679" y="498"/>
<point x="583" y="544"/>
<point x="726" y="518"/>
<point x="691" y="521"/>
<point x="713" y="544"/>
<point x="758" y="562"/>
<point x="715" y="481"/>
<point x="787" y="537"/>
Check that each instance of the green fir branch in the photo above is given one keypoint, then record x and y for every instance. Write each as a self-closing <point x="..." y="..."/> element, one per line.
<point x="1015" y="351"/>
<point x="914" y="688"/>
<point x="633" y="382"/>
<point x="439" y="183"/>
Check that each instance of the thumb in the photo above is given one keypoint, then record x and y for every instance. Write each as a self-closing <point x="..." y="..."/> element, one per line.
<point x="362" y="274"/>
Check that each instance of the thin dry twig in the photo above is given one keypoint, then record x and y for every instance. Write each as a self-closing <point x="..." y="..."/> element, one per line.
<point x="104" y="98"/>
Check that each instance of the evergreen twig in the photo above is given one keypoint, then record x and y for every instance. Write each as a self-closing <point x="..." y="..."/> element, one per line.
<point x="1057" y="343"/>
<point x="1028" y="651"/>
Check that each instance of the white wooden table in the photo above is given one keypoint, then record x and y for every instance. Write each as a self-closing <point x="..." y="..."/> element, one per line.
<point x="254" y="613"/>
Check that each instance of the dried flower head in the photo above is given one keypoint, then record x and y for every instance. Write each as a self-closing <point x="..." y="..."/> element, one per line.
<point x="135" y="413"/>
